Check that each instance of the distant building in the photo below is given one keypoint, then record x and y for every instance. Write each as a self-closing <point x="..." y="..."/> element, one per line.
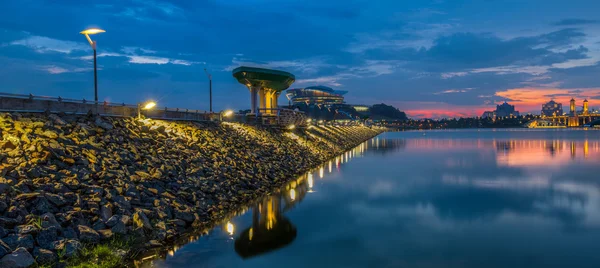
<point x="488" y="114"/>
<point x="506" y="110"/>
<point x="552" y="108"/>
<point x="361" y="108"/>
<point x="315" y="95"/>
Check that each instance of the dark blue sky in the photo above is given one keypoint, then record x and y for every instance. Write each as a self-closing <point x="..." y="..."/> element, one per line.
<point x="430" y="58"/>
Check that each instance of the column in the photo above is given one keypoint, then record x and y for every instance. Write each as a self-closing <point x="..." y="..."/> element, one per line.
<point x="261" y="97"/>
<point x="274" y="99"/>
<point x="253" y="93"/>
<point x="268" y="101"/>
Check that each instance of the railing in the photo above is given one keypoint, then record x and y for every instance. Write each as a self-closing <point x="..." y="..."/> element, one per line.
<point x="282" y="117"/>
<point x="35" y="104"/>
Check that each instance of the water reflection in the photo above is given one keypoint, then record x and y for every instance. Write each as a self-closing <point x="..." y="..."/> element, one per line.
<point x="445" y="199"/>
<point x="269" y="230"/>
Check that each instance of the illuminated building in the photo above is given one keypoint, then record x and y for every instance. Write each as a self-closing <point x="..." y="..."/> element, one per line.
<point x="361" y="108"/>
<point x="315" y="95"/>
<point x="264" y="85"/>
<point x="552" y="108"/>
<point x="572" y="107"/>
<point x="585" y="107"/>
<point x="506" y="110"/>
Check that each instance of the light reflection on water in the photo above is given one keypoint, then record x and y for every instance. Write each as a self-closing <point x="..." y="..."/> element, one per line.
<point x="471" y="198"/>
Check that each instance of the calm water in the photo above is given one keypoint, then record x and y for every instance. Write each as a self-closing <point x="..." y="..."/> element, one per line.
<point x="468" y="198"/>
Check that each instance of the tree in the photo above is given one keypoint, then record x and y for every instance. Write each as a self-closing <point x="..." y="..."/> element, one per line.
<point x="387" y="111"/>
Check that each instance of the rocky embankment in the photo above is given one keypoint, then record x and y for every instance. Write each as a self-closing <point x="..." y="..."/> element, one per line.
<point x="71" y="181"/>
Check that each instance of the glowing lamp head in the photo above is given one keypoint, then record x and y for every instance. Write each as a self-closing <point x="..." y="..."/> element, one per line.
<point x="149" y="105"/>
<point x="228" y="113"/>
<point x="91" y="31"/>
<point x="230" y="228"/>
<point x="291" y="127"/>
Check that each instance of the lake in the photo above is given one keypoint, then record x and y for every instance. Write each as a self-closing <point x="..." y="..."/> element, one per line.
<point x="452" y="198"/>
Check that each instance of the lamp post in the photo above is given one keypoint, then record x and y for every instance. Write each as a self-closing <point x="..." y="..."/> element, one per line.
<point x="226" y="113"/>
<point x="209" y="88"/>
<point x="147" y="106"/>
<point x="87" y="34"/>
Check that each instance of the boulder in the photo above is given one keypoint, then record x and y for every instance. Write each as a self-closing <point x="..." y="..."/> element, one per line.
<point x="141" y="221"/>
<point x="20" y="258"/>
<point x="44" y="256"/>
<point x="4" y="249"/>
<point x="15" y="241"/>
<point x="87" y="234"/>
<point x="47" y="236"/>
<point x="68" y="246"/>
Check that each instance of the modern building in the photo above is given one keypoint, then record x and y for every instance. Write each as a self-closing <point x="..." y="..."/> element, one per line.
<point x="315" y="95"/>
<point x="552" y="108"/>
<point x="506" y="110"/>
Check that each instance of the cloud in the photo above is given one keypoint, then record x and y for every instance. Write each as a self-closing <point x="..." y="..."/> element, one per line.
<point x="140" y="59"/>
<point x="574" y="22"/>
<point x="43" y="44"/>
<point x="53" y="69"/>
<point x="309" y="66"/>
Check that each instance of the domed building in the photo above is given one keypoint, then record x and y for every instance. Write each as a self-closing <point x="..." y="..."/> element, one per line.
<point x="315" y="95"/>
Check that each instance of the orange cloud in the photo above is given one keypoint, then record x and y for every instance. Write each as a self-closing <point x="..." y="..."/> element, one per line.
<point x="531" y="99"/>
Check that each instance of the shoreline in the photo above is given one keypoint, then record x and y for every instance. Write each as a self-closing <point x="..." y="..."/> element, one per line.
<point x="195" y="233"/>
<point x="70" y="181"/>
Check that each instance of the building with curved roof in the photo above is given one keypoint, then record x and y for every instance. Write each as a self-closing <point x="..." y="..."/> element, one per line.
<point x="552" y="108"/>
<point x="315" y="95"/>
<point x="265" y="85"/>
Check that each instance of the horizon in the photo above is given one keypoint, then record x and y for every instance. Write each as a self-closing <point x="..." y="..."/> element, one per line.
<point x="431" y="59"/>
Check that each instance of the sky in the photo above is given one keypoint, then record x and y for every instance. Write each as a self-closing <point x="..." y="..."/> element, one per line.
<point x="429" y="58"/>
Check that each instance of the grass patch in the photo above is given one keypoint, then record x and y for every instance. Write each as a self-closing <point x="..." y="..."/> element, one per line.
<point x="105" y="255"/>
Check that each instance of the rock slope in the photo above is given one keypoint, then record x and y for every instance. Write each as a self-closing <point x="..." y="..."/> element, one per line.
<point x="67" y="181"/>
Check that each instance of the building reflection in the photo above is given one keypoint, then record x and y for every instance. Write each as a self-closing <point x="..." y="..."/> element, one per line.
<point x="383" y="146"/>
<point x="270" y="229"/>
<point x="521" y="152"/>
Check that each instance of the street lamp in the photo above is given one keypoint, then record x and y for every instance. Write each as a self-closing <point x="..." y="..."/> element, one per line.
<point x="147" y="106"/>
<point x="209" y="88"/>
<point x="87" y="34"/>
<point x="226" y="113"/>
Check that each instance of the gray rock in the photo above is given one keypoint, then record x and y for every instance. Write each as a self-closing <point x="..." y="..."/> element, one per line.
<point x="184" y="215"/>
<point x="105" y="234"/>
<point x="19" y="258"/>
<point x="87" y="234"/>
<point x="57" y="200"/>
<point x="44" y="256"/>
<point x="4" y="249"/>
<point x="112" y="221"/>
<point x="68" y="246"/>
<point x="8" y="222"/>
<point x="47" y="236"/>
<point x="106" y="212"/>
<point x="15" y="241"/>
<point x="26" y="229"/>
<point x="57" y="120"/>
<point x="103" y="124"/>
<point x="119" y="228"/>
<point x="69" y="233"/>
<point x="141" y="221"/>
